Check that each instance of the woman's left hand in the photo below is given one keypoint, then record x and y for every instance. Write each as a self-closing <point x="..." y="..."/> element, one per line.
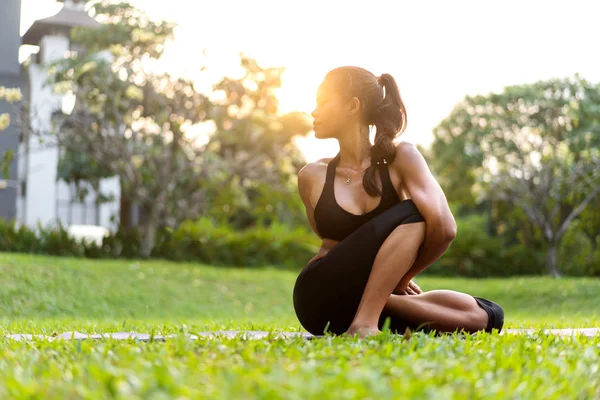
<point x="412" y="288"/>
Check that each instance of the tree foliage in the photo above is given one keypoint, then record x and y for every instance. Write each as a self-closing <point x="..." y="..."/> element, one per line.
<point x="9" y="95"/>
<point x="130" y="121"/>
<point x="535" y="147"/>
<point x="255" y="141"/>
<point x="136" y="123"/>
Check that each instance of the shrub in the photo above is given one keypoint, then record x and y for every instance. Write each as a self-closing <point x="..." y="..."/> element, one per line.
<point x="199" y="241"/>
<point x="474" y="253"/>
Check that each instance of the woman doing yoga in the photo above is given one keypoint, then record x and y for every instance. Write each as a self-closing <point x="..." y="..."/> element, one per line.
<point x="383" y="219"/>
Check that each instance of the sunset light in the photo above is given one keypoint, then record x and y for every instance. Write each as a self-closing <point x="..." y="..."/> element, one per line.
<point x="433" y="73"/>
<point x="171" y="226"/>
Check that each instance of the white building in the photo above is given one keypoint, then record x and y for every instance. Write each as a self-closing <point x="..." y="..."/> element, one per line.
<point x="41" y="198"/>
<point x="10" y="76"/>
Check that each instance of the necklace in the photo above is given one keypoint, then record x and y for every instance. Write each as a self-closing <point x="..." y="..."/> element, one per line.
<point x="348" y="176"/>
<point x="348" y="180"/>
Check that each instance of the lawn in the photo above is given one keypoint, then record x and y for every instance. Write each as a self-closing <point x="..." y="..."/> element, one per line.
<point x="43" y="295"/>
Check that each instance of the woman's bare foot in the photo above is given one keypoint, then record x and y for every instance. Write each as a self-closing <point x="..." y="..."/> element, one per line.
<point x="363" y="331"/>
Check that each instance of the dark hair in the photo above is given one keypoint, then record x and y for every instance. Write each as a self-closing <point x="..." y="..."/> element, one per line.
<point x="381" y="106"/>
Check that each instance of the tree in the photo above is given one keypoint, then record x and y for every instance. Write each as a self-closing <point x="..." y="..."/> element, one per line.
<point x="131" y="121"/>
<point x="255" y="141"/>
<point x="536" y="147"/>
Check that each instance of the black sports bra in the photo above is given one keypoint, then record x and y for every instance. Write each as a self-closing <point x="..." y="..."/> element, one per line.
<point x="332" y="221"/>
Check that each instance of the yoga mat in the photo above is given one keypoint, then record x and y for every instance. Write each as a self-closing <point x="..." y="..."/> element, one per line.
<point x="144" y="337"/>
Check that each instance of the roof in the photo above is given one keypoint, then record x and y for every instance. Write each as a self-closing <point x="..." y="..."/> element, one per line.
<point x="64" y="20"/>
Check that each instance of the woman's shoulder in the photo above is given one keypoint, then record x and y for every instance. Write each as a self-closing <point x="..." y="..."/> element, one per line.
<point x="403" y="147"/>
<point x="407" y="154"/>
<point x="314" y="170"/>
<point x="406" y="150"/>
<point x="315" y="167"/>
<point x="312" y="174"/>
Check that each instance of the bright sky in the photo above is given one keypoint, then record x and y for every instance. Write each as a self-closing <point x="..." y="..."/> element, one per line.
<point x="438" y="51"/>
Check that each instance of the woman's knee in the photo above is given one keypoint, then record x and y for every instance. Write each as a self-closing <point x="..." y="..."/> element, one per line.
<point x="403" y="213"/>
<point x="411" y="234"/>
<point x="386" y="229"/>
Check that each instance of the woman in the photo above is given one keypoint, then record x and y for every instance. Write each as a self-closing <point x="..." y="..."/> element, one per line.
<point x="382" y="217"/>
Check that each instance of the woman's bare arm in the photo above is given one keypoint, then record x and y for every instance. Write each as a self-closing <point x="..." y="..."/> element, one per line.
<point x="429" y="198"/>
<point x="305" y="181"/>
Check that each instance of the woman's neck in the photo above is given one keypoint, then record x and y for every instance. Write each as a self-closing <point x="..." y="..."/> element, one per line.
<point x="355" y="149"/>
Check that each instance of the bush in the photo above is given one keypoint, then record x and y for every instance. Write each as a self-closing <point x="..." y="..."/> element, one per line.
<point x="199" y="241"/>
<point x="577" y="255"/>
<point x="206" y="242"/>
<point x="473" y="253"/>
<point x="51" y="241"/>
<point x="21" y="239"/>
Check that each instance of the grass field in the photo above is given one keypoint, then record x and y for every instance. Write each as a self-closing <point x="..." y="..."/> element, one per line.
<point x="42" y="295"/>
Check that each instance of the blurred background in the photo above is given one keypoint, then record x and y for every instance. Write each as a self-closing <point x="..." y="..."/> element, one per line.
<point x="176" y="129"/>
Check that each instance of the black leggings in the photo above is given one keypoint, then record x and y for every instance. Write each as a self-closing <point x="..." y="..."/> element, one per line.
<point x="329" y="289"/>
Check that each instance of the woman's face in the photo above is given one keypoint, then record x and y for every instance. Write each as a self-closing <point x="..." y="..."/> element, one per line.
<point x="331" y="114"/>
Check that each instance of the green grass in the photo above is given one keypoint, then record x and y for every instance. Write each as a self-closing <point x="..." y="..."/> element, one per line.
<point x="42" y="295"/>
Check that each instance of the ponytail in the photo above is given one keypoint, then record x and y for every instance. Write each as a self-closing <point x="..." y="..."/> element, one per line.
<point x="389" y="118"/>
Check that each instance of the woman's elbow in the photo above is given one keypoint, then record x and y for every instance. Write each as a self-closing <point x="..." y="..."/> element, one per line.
<point x="443" y="229"/>
<point x="450" y="230"/>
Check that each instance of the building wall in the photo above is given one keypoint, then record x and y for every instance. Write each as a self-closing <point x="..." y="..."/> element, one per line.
<point x="110" y="187"/>
<point x="46" y="200"/>
<point x="39" y="200"/>
<point x="10" y="40"/>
